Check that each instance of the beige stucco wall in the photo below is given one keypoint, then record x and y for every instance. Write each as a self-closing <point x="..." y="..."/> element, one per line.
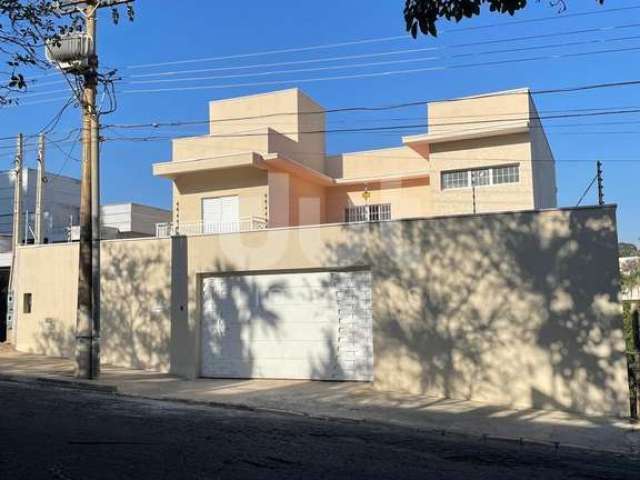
<point x="479" y="112"/>
<point x="408" y="198"/>
<point x="373" y="163"/>
<point x="517" y="308"/>
<point x="135" y="301"/>
<point x="485" y="152"/>
<point x="50" y="274"/>
<point x="542" y="164"/>
<point x="290" y="112"/>
<point x="249" y="184"/>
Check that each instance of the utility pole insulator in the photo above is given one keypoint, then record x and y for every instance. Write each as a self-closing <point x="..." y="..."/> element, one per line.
<point x="600" y="183"/>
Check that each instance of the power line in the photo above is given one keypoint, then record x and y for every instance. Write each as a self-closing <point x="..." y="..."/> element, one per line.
<point x="375" y="64"/>
<point x="485" y="121"/>
<point x="563" y="90"/>
<point x="442" y="68"/>
<point x="549" y="91"/>
<point x="399" y="52"/>
<point x="373" y="40"/>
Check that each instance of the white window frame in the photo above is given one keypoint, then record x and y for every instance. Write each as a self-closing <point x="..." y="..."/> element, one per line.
<point x="352" y="213"/>
<point x="468" y="174"/>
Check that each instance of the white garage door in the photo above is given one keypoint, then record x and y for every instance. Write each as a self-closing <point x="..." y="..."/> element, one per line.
<point x="290" y="325"/>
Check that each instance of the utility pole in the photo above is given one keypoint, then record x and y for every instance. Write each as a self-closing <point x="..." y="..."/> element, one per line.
<point x="17" y="232"/>
<point x="600" y="183"/>
<point x="87" y="353"/>
<point x="84" y="62"/>
<point x="17" y="193"/>
<point x="40" y="190"/>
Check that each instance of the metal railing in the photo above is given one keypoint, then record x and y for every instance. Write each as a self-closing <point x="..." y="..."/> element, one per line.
<point x="244" y="224"/>
<point x="368" y="213"/>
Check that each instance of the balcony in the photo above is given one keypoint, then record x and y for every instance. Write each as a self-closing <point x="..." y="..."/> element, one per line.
<point x="244" y="224"/>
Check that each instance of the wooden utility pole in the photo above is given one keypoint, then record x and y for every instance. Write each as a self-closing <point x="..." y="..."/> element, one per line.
<point x="87" y="353"/>
<point x="40" y="187"/>
<point x="85" y="63"/>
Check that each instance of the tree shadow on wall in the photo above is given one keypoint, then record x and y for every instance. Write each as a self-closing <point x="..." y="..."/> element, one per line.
<point x="236" y="316"/>
<point x="135" y="301"/>
<point x="514" y="308"/>
<point x="55" y="340"/>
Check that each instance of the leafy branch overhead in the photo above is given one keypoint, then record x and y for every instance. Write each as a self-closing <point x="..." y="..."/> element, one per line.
<point x="423" y="15"/>
<point x="27" y="25"/>
<point x="24" y="27"/>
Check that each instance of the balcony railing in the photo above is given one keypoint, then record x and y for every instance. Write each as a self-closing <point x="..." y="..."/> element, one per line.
<point x="244" y="224"/>
<point x="368" y="213"/>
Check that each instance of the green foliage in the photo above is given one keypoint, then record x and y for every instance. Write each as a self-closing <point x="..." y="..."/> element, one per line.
<point x="24" y="27"/>
<point x="627" y="250"/>
<point x="627" y="311"/>
<point x="424" y="14"/>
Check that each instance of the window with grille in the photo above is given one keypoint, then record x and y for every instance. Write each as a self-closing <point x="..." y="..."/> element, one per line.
<point x="480" y="177"/>
<point x="510" y="174"/>
<point x="368" y="213"/>
<point x="459" y="179"/>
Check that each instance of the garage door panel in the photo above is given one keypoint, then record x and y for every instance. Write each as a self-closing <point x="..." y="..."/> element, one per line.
<point x="294" y="333"/>
<point x="290" y="325"/>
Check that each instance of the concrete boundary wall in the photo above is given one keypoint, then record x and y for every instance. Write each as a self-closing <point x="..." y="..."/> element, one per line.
<point x="514" y="308"/>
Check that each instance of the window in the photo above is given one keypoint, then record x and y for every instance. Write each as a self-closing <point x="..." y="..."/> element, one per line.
<point x="26" y="304"/>
<point x="368" y="213"/>
<point x="455" y="179"/>
<point x="510" y="174"/>
<point x="480" y="177"/>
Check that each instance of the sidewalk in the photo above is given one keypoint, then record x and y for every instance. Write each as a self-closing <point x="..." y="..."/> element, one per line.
<point x="346" y="402"/>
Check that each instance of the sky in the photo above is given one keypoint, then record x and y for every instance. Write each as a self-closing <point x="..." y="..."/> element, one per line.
<point x="586" y="45"/>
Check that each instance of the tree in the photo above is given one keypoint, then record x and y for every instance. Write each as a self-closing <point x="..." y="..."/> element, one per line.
<point x="424" y="14"/>
<point x="25" y="25"/>
<point x="627" y="250"/>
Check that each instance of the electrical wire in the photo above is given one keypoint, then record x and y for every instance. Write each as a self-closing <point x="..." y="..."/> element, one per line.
<point x="375" y="40"/>
<point x="396" y="106"/>
<point x="442" y="68"/>
<point x="146" y="79"/>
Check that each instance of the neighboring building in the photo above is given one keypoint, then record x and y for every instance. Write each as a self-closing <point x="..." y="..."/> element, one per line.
<point x="61" y="205"/>
<point x="627" y="265"/>
<point x="264" y="165"/>
<point x="129" y="220"/>
<point x="62" y="211"/>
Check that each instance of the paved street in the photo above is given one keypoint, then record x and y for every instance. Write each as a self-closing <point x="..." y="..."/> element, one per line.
<point x="48" y="432"/>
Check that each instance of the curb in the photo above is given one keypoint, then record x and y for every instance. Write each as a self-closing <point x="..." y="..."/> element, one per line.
<point x="57" y="382"/>
<point x="448" y="432"/>
<point x="245" y="407"/>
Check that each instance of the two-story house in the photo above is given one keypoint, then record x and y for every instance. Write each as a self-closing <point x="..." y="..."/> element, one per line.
<point x="264" y="164"/>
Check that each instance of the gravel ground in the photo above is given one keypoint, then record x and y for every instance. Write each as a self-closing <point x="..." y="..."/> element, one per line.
<point x="57" y="433"/>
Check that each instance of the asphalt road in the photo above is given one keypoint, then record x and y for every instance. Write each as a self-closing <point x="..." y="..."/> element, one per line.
<point x="55" y="433"/>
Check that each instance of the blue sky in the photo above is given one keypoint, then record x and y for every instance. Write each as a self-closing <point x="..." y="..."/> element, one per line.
<point x="167" y="31"/>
